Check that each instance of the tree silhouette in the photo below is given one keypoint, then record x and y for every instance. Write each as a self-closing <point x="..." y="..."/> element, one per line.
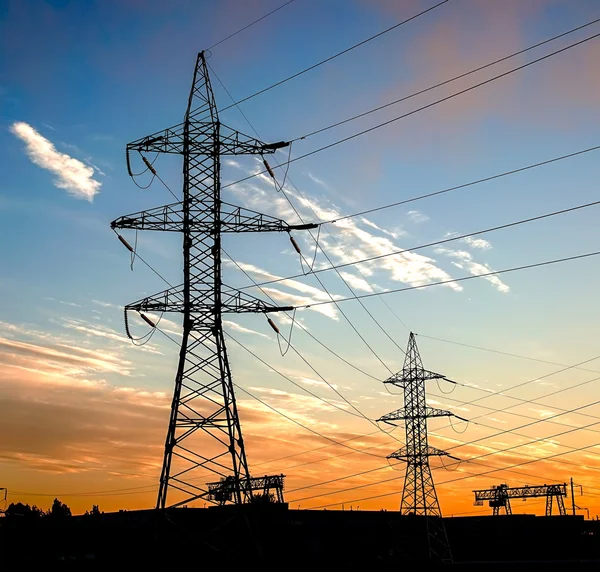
<point x="94" y="512"/>
<point x="263" y="498"/>
<point x="24" y="510"/>
<point x="59" y="509"/>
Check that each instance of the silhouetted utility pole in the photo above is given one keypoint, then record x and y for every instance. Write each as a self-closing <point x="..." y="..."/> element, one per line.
<point x="418" y="495"/>
<point x="574" y="507"/>
<point x="204" y="401"/>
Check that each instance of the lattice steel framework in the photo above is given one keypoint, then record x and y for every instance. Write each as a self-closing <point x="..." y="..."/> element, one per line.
<point x="418" y="495"/>
<point x="203" y="399"/>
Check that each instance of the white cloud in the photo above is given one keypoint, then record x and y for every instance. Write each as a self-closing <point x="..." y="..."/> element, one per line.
<point x="107" y="333"/>
<point x="417" y="216"/>
<point x="315" y="382"/>
<point x="315" y="293"/>
<point x="357" y="282"/>
<point x="354" y="238"/>
<point x="236" y="327"/>
<point x="328" y="310"/>
<point x="71" y="174"/>
<point x="480" y="243"/>
<point x="475" y="268"/>
<point x="544" y="412"/>
<point x="316" y="179"/>
<point x="394" y="234"/>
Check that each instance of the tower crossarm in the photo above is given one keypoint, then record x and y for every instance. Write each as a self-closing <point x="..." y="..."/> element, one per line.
<point x="165" y="218"/>
<point x="233" y="219"/>
<point x="407" y="376"/>
<point x="200" y="141"/>
<point x="238" y="302"/>
<point x="402" y="414"/>
<point x="233" y="301"/>
<point x="241" y="219"/>
<point x="403" y="454"/>
<point x="170" y="300"/>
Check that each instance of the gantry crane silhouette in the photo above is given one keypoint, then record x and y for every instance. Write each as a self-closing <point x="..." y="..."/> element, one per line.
<point x="204" y="400"/>
<point x="498" y="497"/>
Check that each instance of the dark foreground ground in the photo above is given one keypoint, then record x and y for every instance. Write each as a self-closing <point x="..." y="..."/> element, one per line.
<point x="274" y="537"/>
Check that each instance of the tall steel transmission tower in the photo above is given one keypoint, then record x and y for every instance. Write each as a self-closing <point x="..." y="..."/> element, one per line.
<point x="418" y="495"/>
<point x="204" y="401"/>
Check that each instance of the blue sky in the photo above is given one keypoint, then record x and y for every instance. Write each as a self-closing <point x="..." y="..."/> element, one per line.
<point x="88" y="77"/>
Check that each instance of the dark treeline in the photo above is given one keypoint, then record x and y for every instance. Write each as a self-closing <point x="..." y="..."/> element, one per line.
<point x="57" y="510"/>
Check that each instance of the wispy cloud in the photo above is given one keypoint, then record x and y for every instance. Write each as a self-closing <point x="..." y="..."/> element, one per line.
<point x="417" y="216"/>
<point x="480" y="243"/>
<point x="94" y="330"/>
<point x="465" y="259"/>
<point x="354" y="238"/>
<point x="71" y="174"/>
<point x="237" y="328"/>
<point x="315" y="294"/>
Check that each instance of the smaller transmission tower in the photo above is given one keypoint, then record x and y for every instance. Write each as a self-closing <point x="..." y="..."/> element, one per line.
<point x="418" y="495"/>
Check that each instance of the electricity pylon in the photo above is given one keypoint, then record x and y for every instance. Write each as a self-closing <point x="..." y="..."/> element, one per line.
<point x="418" y="495"/>
<point x="204" y="398"/>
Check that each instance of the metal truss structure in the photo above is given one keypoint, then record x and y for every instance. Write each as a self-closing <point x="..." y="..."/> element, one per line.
<point x="224" y="490"/>
<point x="499" y="497"/>
<point x="203" y="399"/>
<point x="418" y="495"/>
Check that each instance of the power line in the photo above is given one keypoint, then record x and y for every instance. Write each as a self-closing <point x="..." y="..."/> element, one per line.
<point x="546" y="458"/>
<point x="306" y="330"/>
<point x="176" y="342"/>
<point x="249" y="25"/>
<point x="512" y="430"/>
<point x="464" y="185"/>
<point x="337" y="55"/>
<point x="494" y="452"/>
<point x="542" y="420"/>
<point x="261" y="401"/>
<point x="332" y="387"/>
<point x="501" y="353"/>
<point x="281" y="188"/>
<point x="419" y="109"/>
<point x="454" y="280"/>
<point x="521" y="402"/>
<point x="437" y="242"/>
<point x="333" y="441"/>
<point x="440" y="84"/>
<point x="566" y="368"/>
<point x="305" y="427"/>
<point x="298" y="385"/>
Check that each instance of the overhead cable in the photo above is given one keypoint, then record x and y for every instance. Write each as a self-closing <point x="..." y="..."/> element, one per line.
<point x="422" y="108"/>
<point x="249" y="25"/>
<point x="455" y="280"/>
<point x="440" y="84"/>
<point x="436" y="242"/>
<point x="333" y="57"/>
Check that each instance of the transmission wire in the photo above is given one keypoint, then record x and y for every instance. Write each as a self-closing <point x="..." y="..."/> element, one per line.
<point x="419" y="109"/>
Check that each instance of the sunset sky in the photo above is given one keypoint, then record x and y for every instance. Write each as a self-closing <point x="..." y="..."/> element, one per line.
<point x="84" y="412"/>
